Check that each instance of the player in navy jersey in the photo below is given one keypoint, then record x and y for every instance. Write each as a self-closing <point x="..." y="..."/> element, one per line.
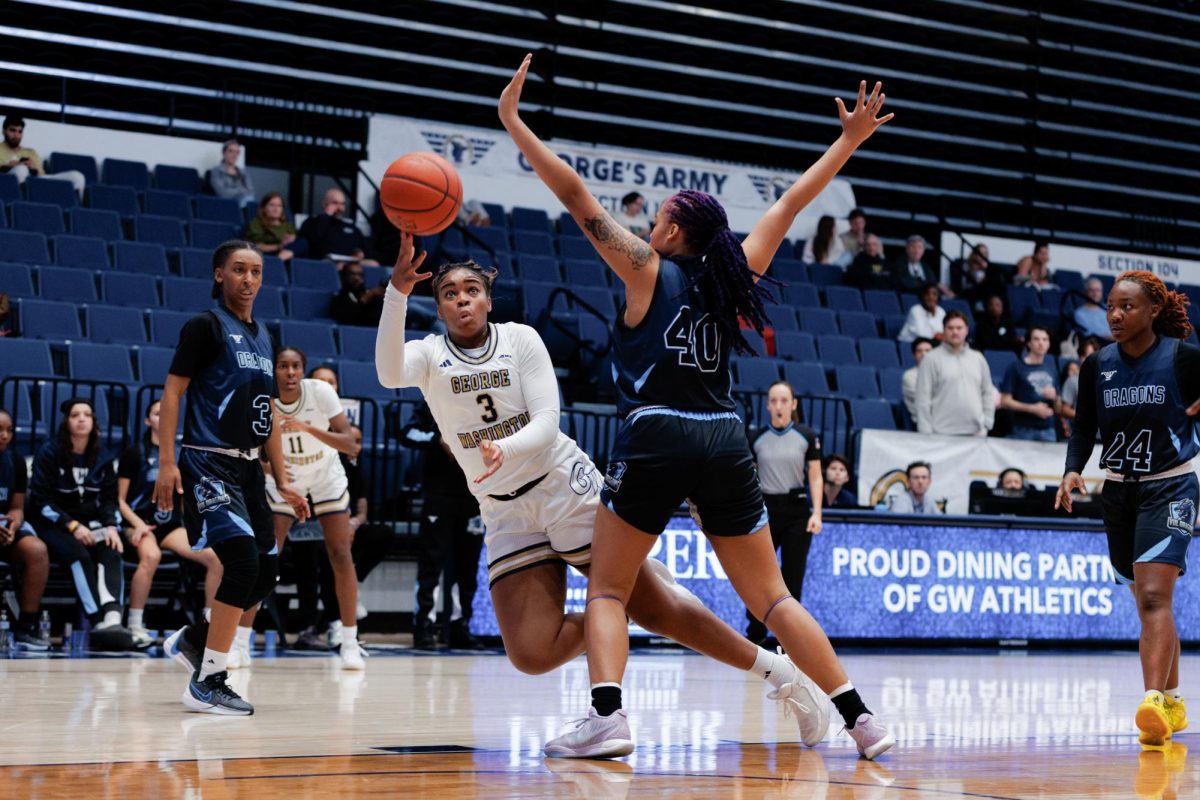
<point x="1141" y="393"/>
<point x="225" y="364"/>
<point x="18" y="543"/>
<point x="685" y="293"/>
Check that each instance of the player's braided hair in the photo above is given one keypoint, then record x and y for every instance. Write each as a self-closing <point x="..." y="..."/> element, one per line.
<point x="725" y="278"/>
<point x="486" y="274"/>
<point x="1172" y="319"/>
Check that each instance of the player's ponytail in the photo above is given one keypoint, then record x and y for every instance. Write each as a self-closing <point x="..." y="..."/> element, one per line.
<point x="725" y="278"/>
<point x="1172" y="319"/>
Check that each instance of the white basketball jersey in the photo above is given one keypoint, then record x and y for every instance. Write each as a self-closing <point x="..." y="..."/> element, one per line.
<point x="474" y="398"/>
<point x="307" y="457"/>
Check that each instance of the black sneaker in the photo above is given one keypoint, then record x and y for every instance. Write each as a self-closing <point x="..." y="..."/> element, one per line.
<point x="213" y="696"/>
<point x="29" y="640"/>
<point x="113" y="639"/>
<point x="461" y="638"/>
<point x="310" y="639"/>
<point x="179" y="648"/>
<point x="423" y="638"/>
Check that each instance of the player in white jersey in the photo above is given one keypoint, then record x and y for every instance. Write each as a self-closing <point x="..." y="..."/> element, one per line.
<point x="314" y="429"/>
<point x="493" y="393"/>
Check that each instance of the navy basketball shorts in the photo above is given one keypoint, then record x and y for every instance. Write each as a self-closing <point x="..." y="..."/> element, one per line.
<point x="663" y="457"/>
<point x="224" y="497"/>
<point x="7" y="550"/>
<point x="1149" y="522"/>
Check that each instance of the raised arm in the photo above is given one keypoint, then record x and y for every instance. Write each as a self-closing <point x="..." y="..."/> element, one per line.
<point x="632" y="259"/>
<point x="396" y="363"/>
<point x="857" y="126"/>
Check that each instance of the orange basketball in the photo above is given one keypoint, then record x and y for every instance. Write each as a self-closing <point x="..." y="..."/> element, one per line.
<point x="421" y="193"/>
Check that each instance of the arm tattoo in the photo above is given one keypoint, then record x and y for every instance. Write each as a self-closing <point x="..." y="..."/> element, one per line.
<point x="615" y="238"/>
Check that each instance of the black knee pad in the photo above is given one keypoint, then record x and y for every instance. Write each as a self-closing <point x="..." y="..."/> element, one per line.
<point x="268" y="576"/>
<point x="239" y="558"/>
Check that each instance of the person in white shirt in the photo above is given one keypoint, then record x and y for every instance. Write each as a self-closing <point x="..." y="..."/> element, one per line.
<point x="925" y="319"/>
<point x="955" y="395"/>
<point x="633" y="216"/>
<point x="920" y="347"/>
<point x="492" y="391"/>
<point x="915" y="499"/>
<point x="824" y="246"/>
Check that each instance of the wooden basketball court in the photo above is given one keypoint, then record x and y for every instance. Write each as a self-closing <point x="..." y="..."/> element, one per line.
<point x="971" y="725"/>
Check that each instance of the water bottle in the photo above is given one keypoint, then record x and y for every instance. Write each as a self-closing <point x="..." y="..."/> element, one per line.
<point x="6" y="645"/>
<point x="44" y="627"/>
<point x="269" y="639"/>
<point x="67" y="635"/>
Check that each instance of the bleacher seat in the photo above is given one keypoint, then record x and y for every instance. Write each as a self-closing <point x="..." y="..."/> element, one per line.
<point x="129" y="289"/>
<point x="46" y="319"/>
<point x="3" y="216"/>
<point x="530" y="219"/>
<point x="451" y="240"/>
<point x="567" y="226"/>
<point x="958" y="304"/>
<point x="825" y="274"/>
<point x="836" y="349"/>
<point x="533" y="244"/>
<point x="843" y="298"/>
<point x="857" y="324"/>
<point x="789" y="271"/>
<point x="755" y="374"/>
<point x="872" y="413"/>
<point x="274" y="271"/>
<point x="268" y="303"/>
<point x="891" y="384"/>
<point x="168" y="204"/>
<point x="197" y="264"/>
<point x="119" y="172"/>
<point x="53" y="191"/>
<point x="801" y="295"/>
<point x="1022" y="302"/>
<point x="97" y="222"/>
<point x="795" y="346"/>
<point x="782" y="318"/>
<point x="539" y="268"/>
<point x="16" y="280"/>
<point x="494" y="238"/>
<point x="881" y="302"/>
<point x="154" y="363"/>
<point x="855" y="380"/>
<point x="88" y="252"/>
<point x="357" y="343"/>
<point x="756" y="341"/>
<point x="185" y="294"/>
<point x="998" y="363"/>
<point x="99" y="362"/>
<point x="218" y="209"/>
<point x="65" y="162"/>
<point x="120" y="199"/>
<point x="115" y="325"/>
<point x="25" y="357"/>
<point x="359" y="379"/>
<point x="144" y="257"/>
<point x="806" y="377"/>
<point x="878" y="353"/>
<point x="177" y="179"/>
<point x="1069" y="281"/>
<point x="165" y="326"/>
<point x="892" y="323"/>
<point x="210" y="235"/>
<point x="44" y="218"/>
<point x="309" y="304"/>
<point x="818" y="321"/>
<point x="503" y="262"/>
<point x="594" y="331"/>
<point x="167" y="231"/>
<point x="577" y="248"/>
<point x="537" y="298"/>
<point x="598" y="297"/>
<point x="66" y="283"/>
<point x="586" y="273"/>
<point x="24" y="247"/>
<point x="10" y="188"/>
<point x="308" y="273"/>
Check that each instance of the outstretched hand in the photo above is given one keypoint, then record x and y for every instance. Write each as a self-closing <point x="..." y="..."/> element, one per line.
<point x="859" y="124"/>
<point x="1071" y="481"/>
<point x="510" y="98"/>
<point x="405" y="276"/>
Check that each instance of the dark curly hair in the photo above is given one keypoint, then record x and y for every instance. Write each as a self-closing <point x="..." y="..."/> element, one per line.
<point x="1172" y="319"/>
<point x="486" y="274"/>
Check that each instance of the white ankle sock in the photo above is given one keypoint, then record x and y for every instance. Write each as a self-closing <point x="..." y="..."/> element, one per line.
<point x="773" y="668"/>
<point x="845" y="687"/>
<point x="213" y="662"/>
<point x="243" y="635"/>
<point x="136" y="617"/>
<point x="349" y="633"/>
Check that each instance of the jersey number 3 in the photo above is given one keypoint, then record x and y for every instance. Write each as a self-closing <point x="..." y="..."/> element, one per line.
<point x="262" y="424"/>
<point x="698" y="343"/>
<point x="1137" y="453"/>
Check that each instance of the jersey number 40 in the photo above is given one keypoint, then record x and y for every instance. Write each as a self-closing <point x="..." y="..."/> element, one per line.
<point x="698" y="342"/>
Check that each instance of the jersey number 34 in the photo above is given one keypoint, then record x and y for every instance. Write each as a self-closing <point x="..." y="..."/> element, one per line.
<point x="698" y="342"/>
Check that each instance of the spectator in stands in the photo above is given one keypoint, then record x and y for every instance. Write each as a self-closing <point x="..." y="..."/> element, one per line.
<point x="355" y="304"/>
<point x="1011" y="480"/>
<point x="920" y="348"/>
<point x="270" y="229"/>
<point x="1069" y="397"/>
<point x="24" y="162"/>
<point x="915" y="499"/>
<point x="824" y="246"/>
<point x="7" y="324"/>
<point x="837" y="476"/>
<point x="1092" y="317"/>
<point x="869" y="270"/>
<point x="993" y="328"/>
<point x="1030" y="390"/>
<point x="19" y="545"/>
<point x="74" y="496"/>
<point x="976" y="278"/>
<point x="909" y="272"/>
<point x="472" y="212"/>
<point x="855" y="239"/>
<point x="925" y="318"/>
<point x="1034" y="270"/>
<point x="633" y="215"/>
<point x="229" y="180"/>
<point x="330" y="234"/>
<point x="954" y="385"/>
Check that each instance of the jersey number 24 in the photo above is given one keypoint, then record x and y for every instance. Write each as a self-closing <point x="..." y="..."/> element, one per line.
<point x="1137" y="452"/>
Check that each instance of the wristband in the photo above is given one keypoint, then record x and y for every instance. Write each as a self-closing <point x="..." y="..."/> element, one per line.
<point x="72" y="526"/>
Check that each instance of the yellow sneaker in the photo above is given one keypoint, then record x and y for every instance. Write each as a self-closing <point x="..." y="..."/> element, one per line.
<point x="1176" y="714"/>
<point x="1152" y="722"/>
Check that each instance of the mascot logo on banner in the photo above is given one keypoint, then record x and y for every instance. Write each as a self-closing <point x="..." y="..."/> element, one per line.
<point x="770" y="188"/>
<point x="459" y="149"/>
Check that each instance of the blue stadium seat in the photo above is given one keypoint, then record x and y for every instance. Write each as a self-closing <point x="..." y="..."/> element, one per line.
<point x="210" y="235"/>
<point x="24" y="247"/>
<point x="858" y="324"/>
<point x="1069" y="281"/>
<point x="359" y="379"/>
<point x="783" y="318"/>
<point x="855" y="380"/>
<point x="891" y="384"/>
<point x="308" y="273"/>
<point x="45" y="319"/>
<point x="167" y="231"/>
<point x="197" y="264"/>
<point x="97" y="222"/>
<point x="892" y="323"/>
<point x="177" y="179"/>
<point x="185" y="294"/>
<point x="878" y="353"/>
<point x="16" y="280"/>
<point x="88" y="252"/>
<point x="451" y="240"/>
<point x="817" y="321"/>
<point x="268" y="304"/>
<point x="52" y="190"/>
<point x="99" y="362"/>
<point x="825" y="274"/>
<point x="537" y="298"/>
<point x="218" y="209"/>
<point x="789" y="271"/>
<point x="1022" y="302"/>
<point x="577" y="248"/>
<point x="44" y="218"/>
<point x="795" y="346"/>
<point x="872" y="413"/>
<point x="503" y="262"/>
<point x="10" y="187"/>
<point x="755" y="340"/>
<point x="154" y="363"/>
<point x="144" y="257"/>
<point x="881" y="302"/>
<point x="65" y="162"/>
<point x="530" y="219"/>
<point x="165" y="326"/>
<point x="843" y="298"/>
<point x="120" y="199"/>
<point x="958" y="304"/>
<point x="539" y="268"/>
<point x="533" y="244"/>
<point x="66" y="283"/>
<point x="755" y="374"/>
<point x="3" y="216"/>
<point x="129" y="289"/>
<point x="116" y="325"/>
<point x="25" y="357"/>
<point x="507" y="301"/>
<point x="586" y="273"/>
<point x="834" y="350"/>
<point x="357" y="343"/>
<point x="494" y="238"/>
<point x="806" y="377"/>
<point x="309" y="304"/>
<point x="599" y="298"/>
<point x="801" y="295"/>
<point x="274" y="271"/>
<point x="998" y="362"/>
<point x="595" y="331"/>
<point x="168" y="204"/>
<point x="119" y="172"/>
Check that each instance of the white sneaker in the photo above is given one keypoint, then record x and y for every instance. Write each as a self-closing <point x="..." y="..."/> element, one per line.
<point x="239" y="656"/>
<point x="141" y="637"/>
<point x="801" y="698"/>
<point x="360" y="611"/>
<point x="593" y="736"/>
<point x="335" y="633"/>
<point x="352" y="656"/>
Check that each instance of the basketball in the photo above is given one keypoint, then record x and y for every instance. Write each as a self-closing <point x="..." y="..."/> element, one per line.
<point x="421" y="193"/>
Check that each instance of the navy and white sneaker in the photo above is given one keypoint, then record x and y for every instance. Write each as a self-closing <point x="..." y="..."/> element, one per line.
<point x="212" y="695"/>
<point x="179" y="648"/>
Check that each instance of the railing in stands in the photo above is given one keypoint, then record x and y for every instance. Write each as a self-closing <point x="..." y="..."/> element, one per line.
<point x="34" y="404"/>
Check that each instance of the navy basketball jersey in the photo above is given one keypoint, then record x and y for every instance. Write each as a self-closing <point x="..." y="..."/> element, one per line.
<point x="8" y="479"/>
<point x="229" y="403"/>
<point x="677" y="356"/>
<point x="1140" y="411"/>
